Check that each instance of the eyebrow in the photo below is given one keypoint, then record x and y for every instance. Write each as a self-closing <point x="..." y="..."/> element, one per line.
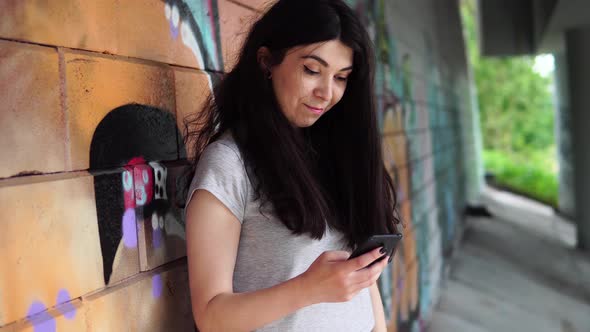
<point x="323" y="62"/>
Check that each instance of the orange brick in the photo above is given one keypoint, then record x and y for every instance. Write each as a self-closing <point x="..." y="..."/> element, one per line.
<point x="235" y="22"/>
<point x="98" y="85"/>
<point x="156" y="302"/>
<point x="192" y="89"/>
<point x="393" y="120"/>
<point x="402" y="182"/>
<point x="49" y="243"/>
<point x="395" y="158"/>
<point x="70" y="316"/>
<point x="193" y="27"/>
<point x="159" y="39"/>
<point x="118" y="27"/>
<point x="76" y="24"/>
<point x="395" y="146"/>
<point x="33" y="130"/>
<point x="405" y="209"/>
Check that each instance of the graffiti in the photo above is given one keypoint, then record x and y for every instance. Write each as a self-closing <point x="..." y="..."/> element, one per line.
<point x="135" y="185"/>
<point x="42" y="320"/>
<point x="158" y="218"/>
<point x="133" y="134"/>
<point x="157" y="286"/>
<point x="136" y="181"/>
<point x="409" y="288"/>
<point x="399" y="285"/>
<point x="64" y="304"/>
<point x="128" y="136"/>
<point x="202" y="38"/>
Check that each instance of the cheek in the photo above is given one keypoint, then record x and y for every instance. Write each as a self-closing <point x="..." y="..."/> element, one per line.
<point x="280" y="89"/>
<point x="295" y="89"/>
<point x="337" y="95"/>
<point x="284" y="86"/>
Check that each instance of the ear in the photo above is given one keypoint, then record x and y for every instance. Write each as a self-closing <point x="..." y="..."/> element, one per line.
<point x="263" y="58"/>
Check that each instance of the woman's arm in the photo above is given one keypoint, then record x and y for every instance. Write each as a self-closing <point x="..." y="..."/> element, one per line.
<point x="380" y="325"/>
<point x="212" y="236"/>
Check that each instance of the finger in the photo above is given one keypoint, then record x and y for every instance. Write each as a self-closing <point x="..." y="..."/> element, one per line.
<point x="359" y="287"/>
<point x="370" y="273"/>
<point x="383" y="263"/>
<point x="360" y="276"/>
<point x="363" y="260"/>
<point x="380" y="267"/>
<point x="373" y="279"/>
<point x="336" y="255"/>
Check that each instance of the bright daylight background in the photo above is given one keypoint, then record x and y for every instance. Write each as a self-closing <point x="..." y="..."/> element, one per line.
<point x="515" y="96"/>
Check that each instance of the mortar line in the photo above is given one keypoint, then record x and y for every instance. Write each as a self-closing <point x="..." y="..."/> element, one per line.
<point x="63" y="103"/>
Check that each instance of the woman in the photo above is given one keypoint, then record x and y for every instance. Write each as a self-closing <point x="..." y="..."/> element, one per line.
<point x="289" y="180"/>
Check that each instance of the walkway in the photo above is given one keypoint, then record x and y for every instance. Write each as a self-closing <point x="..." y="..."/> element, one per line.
<point x="517" y="271"/>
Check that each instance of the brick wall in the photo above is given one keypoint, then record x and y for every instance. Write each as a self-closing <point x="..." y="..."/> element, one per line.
<point x="92" y="100"/>
<point x="429" y="132"/>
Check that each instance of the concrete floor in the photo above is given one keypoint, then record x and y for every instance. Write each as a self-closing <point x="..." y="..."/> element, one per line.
<point x="517" y="271"/>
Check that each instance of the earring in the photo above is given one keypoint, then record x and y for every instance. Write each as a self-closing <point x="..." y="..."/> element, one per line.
<point x="269" y="75"/>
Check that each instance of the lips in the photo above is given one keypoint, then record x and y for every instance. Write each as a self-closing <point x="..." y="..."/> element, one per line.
<point x="316" y="110"/>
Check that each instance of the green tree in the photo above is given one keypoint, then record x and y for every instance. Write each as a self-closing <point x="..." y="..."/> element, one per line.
<point x="516" y="113"/>
<point x="515" y="102"/>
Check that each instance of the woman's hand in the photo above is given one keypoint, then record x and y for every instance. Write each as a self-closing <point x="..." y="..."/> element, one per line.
<point x="333" y="278"/>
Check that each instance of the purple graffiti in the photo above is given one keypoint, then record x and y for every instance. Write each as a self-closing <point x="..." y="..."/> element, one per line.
<point x="36" y="308"/>
<point x="41" y="320"/>
<point x="173" y="16"/>
<point x="157" y="286"/>
<point x="129" y="230"/>
<point x="157" y="237"/>
<point x="64" y="304"/>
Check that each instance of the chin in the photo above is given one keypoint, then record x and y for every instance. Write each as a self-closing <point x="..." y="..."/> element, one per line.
<point x="305" y="124"/>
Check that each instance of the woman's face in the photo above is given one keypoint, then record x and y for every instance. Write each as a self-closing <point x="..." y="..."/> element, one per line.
<point x="311" y="79"/>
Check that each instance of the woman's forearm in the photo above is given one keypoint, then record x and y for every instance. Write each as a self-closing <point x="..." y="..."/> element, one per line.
<point x="252" y="310"/>
<point x="380" y="324"/>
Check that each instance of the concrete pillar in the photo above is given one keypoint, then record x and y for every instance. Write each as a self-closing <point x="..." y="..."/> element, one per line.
<point x="577" y="48"/>
<point x="563" y="139"/>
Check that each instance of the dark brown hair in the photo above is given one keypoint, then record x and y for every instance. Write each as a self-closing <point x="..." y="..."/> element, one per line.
<point x="331" y="173"/>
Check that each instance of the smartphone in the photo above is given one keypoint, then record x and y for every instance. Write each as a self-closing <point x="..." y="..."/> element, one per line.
<point x="387" y="241"/>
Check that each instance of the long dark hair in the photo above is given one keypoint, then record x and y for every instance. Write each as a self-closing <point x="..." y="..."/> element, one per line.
<point x="331" y="173"/>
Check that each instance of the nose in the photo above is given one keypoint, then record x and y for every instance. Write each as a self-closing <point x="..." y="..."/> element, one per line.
<point x="324" y="90"/>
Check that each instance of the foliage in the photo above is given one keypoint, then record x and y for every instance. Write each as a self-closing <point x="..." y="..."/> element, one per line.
<point x="531" y="177"/>
<point x="517" y="119"/>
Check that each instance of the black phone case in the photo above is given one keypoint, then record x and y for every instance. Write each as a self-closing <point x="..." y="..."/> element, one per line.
<point x="388" y="241"/>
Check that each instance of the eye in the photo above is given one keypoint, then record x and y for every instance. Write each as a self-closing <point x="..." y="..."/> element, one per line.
<point x="342" y="79"/>
<point x="309" y="71"/>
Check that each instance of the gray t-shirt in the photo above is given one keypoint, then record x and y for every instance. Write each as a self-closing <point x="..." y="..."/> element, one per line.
<point x="268" y="252"/>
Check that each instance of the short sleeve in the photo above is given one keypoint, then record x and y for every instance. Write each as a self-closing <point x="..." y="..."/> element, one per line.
<point x="221" y="172"/>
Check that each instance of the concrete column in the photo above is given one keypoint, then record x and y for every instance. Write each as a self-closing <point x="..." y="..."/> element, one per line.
<point x="563" y="139"/>
<point x="577" y="48"/>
